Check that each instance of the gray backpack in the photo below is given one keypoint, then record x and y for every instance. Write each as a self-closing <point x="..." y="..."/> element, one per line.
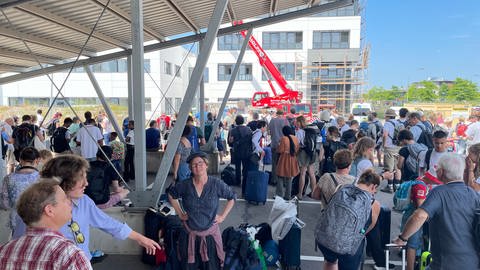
<point x="343" y="224"/>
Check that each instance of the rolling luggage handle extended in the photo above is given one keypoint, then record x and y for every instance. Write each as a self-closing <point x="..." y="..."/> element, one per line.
<point x="387" y="255"/>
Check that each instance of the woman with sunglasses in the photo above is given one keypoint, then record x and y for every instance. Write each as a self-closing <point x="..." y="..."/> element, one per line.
<point x="72" y="170"/>
<point x="200" y="244"/>
<point x="15" y="183"/>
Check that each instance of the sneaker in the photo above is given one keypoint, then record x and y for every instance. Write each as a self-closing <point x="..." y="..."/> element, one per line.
<point x="387" y="189"/>
<point x="390" y="266"/>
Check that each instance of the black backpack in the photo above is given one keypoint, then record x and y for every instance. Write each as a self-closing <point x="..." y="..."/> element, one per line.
<point x="58" y="142"/>
<point x="310" y="140"/>
<point x="242" y="142"/>
<point x="23" y="135"/>
<point x="98" y="187"/>
<point x="52" y="127"/>
<point x="425" y="138"/>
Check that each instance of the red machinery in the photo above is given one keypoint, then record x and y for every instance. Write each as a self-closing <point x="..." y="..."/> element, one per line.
<point x="289" y="98"/>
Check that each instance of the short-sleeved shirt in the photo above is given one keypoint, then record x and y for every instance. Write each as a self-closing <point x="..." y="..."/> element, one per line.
<point x="450" y="209"/>
<point x="300" y="134"/>
<point x="389" y="128"/>
<point x="363" y="165"/>
<point x="434" y="157"/>
<point x="328" y="187"/>
<point x="201" y="209"/>
<point x="407" y="174"/>
<point x="152" y="138"/>
<point x="88" y="146"/>
<point x="417" y="130"/>
<point x="183" y="151"/>
<point x="474" y="132"/>
<point x="118" y="150"/>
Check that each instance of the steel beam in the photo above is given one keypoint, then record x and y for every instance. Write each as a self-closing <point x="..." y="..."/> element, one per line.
<point x="201" y="97"/>
<point x="273" y="6"/>
<point x="11" y="68"/>
<point x="182" y="40"/>
<point x="130" y="87"/>
<point x="236" y="68"/>
<point x="197" y="74"/>
<point x="28" y="57"/>
<point x="138" y="94"/>
<point x="47" y="15"/>
<point x="182" y="15"/>
<point x="101" y="96"/>
<point x="4" y="31"/>
<point x="119" y="13"/>
<point x="231" y="12"/>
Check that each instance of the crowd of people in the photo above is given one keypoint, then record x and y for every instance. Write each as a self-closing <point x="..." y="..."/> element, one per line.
<point x="330" y="153"/>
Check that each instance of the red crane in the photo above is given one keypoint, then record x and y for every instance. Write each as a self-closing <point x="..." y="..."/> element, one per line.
<point x="288" y="98"/>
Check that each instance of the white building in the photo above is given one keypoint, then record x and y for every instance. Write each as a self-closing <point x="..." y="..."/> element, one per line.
<point x="316" y="55"/>
<point x="160" y="69"/>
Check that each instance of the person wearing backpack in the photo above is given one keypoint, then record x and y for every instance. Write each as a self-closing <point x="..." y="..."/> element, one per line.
<point x="257" y="137"/>
<point x="307" y="137"/>
<point x="23" y="135"/>
<point x="275" y="130"/>
<point x="416" y="194"/>
<point x="362" y="156"/>
<point x="410" y="155"/>
<point x="349" y="137"/>
<point x="451" y="213"/>
<point x="60" y="140"/>
<point x="196" y="137"/>
<point x="240" y="138"/>
<point x="343" y="246"/>
<point x="419" y="131"/>
<point x="429" y="167"/>
<point x="330" y="147"/>
<point x="390" y="148"/>
<point x="329" y="182"/>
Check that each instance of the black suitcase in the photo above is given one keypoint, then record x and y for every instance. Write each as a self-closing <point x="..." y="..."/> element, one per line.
<point x="154" y="222"/>
<point x="289" y="248"/>
<point x="228" y="176"/>
<point x="385" y="223"/>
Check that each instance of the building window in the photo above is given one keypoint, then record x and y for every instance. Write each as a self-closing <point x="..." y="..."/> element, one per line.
<point x="205" y="75"/>
<point x="331" y="40"/>
<point x="146" y="65"/>
<point x="327" y="71"/>
<point x="230" y="42"/>
<point x="282" y="40"/>
<point x="168" y="105"/>
<point x="178" y="71"/>
<point x="178" y="103"/>
<point x="148" y="104"/>
<point x="290" y="71"/>
<point x="345" y="11"/>
<point x="225" y="72"/>
<point x="167" y="68"/>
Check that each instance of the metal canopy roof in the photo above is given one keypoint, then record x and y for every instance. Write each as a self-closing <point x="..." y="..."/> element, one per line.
<point x="56" y="31"/>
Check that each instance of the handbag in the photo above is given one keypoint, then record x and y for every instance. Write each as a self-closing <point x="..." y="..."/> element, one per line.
<point x="255" y="158"/>
<point x="38" y="144"/>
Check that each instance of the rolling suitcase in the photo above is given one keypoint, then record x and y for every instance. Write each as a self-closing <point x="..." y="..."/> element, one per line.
<point x="387" y="255"/>
<point x="267" y="159"/>
<point x="384" y="222"/>
<point x="256" y="188"/>
<point x="289" y="248"/>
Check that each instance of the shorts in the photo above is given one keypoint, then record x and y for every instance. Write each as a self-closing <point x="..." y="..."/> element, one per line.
<point x="345" y="262"/>
<point x="390" y="158"/>
<point x="304" y="160"/>
<point x="415" y="241"/>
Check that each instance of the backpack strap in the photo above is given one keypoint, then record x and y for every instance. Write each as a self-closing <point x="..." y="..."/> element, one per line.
<point x="394" y="126"/>
<point x="428" y="155"/>
<point x="335" y="182"/>
<point x="28" y="167"/>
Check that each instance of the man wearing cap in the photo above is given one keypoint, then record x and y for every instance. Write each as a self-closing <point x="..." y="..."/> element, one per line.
<point x="390" y="150"/>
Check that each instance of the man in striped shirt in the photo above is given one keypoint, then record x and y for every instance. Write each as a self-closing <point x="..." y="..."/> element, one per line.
<point x="45" y="208"/>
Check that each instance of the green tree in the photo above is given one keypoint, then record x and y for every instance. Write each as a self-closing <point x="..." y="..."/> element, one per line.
<point x="382" y="94"/>
<point x="423" y="91"/>
<point x="463" y="90"/>
<point x="443" y="92"/>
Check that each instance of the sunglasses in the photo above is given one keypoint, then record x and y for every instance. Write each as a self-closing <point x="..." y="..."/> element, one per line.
<point x="78" y="235"/>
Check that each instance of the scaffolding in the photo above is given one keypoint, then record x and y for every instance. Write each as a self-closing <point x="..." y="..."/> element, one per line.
<point x="341" y="82"/>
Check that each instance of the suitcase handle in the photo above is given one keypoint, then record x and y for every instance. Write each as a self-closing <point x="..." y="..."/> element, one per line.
<point x="387" y="254"/>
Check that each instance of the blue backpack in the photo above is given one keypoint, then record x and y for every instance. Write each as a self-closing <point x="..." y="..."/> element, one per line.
<point x="364" y="127"/>
<point x="402" y="200"/>
<point x="193" y="138"/>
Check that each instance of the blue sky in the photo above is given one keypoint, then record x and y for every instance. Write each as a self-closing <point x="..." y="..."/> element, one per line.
<point x="412" y="40"/>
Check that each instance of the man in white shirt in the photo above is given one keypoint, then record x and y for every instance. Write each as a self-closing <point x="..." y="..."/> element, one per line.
<point x="87" y="140"/>
<point x="432" y="156"/>
<point x="416" y="126"/>
<point x="473" y="131"/>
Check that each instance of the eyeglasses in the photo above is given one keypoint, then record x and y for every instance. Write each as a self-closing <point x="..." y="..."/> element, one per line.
<point x="198" y="164"/>
<point x="78" y="235"/>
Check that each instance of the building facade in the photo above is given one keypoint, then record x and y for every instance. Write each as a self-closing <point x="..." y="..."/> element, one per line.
<point x="319" y="55"/>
